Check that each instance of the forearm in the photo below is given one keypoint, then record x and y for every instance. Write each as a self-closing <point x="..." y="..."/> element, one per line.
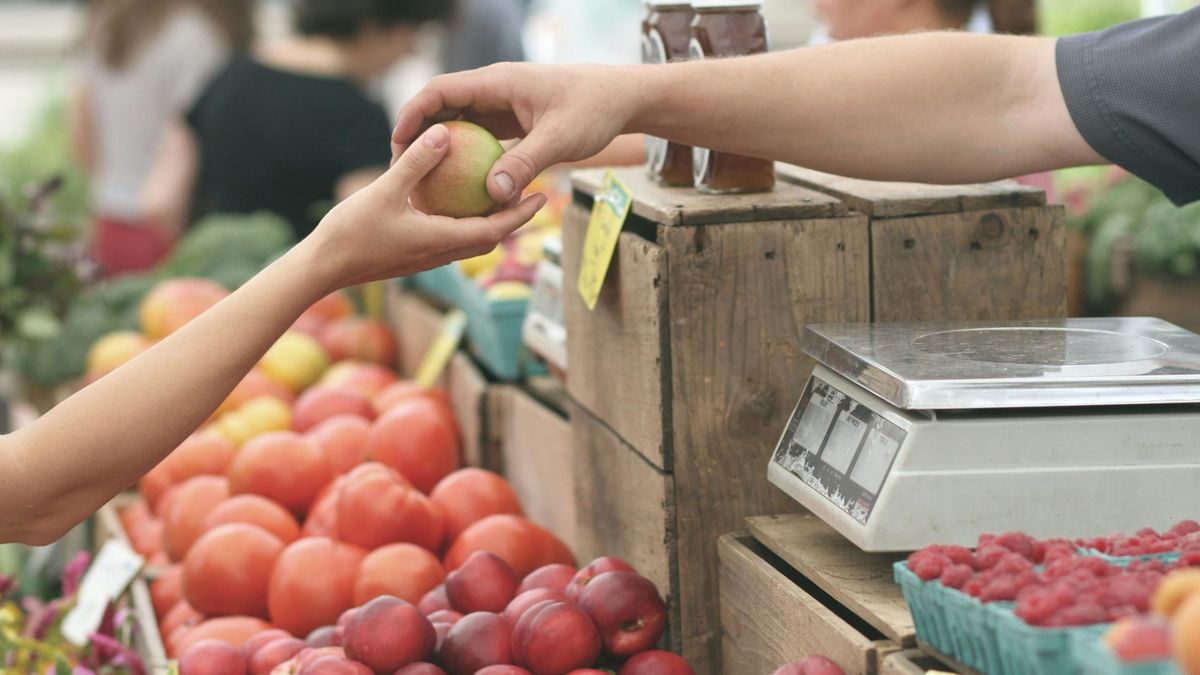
<point x="95" y="444"/>
<point x="933" y="108"/>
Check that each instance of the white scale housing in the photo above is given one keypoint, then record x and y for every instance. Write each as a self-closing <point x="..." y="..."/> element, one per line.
<point x="915" y="434"/>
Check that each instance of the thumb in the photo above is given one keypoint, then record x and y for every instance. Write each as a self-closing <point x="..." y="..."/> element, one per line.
<point x="418" y="159"/>
<point x="517" y="168"/>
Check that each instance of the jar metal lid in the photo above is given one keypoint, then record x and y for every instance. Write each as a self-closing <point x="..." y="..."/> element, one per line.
<point x="723" y="4"/>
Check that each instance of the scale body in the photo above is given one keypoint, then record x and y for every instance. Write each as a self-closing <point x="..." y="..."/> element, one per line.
<point x="914" y="434"/>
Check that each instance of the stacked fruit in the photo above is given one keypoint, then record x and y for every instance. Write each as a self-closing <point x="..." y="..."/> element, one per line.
<point x="1183" y="538"/>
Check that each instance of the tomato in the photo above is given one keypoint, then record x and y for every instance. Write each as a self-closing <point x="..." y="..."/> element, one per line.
<point x="312" y="584"/>
<point x="167" y="590"/>
<point x="415" y="439"/>
<point x="154" y="485"/>
<point x="343" y="439"/>
<point x="377" y="507"/>
<point x="204" y="454"/>
<point x="228" y="569"/>
<point x="235" y="630"/>
<point x="186" y="511"/>
<point x="282" y="466"/>
<point x="405" y="571"/>
<point x="256" y="510"/>
<point x="469" y="495"/>
<point x="523" y="545"/>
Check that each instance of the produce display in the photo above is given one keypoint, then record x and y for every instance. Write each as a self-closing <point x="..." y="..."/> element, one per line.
<point x="1124" y="596"/>
<point x="321" y="522"/>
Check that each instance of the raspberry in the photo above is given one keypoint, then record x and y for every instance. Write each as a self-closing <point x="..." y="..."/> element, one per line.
<point x="973" y="587"/>
<point x="959" y="555"/>
<point x="1125" y="590"/>
<point x="989" y="556"/>
<point x="927" y="569"/>
<point x="1036" y="608"/>
<point x="999" y="590"/>
<point x="1120" y="612"/>
<point x="1185" y="527"/>
<point x="985" y="539"/>
<point x="1028" y="579"/>
<point x="1014" y="563"/>
<point x="1147" y="533"/>
<point x="1017" y="542"/>
<point x="954" y="576"/>
<point x="1080" y="614"/>
<point x="1190" y="559"/>
<point x="1059" y="567"/>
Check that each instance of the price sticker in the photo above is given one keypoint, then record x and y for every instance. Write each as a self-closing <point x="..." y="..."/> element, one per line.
<point x="105" y="581"/>
<point x="608" y="217"/>
<point x="442" y="348"/>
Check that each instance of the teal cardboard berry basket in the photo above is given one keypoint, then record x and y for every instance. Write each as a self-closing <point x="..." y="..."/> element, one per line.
<point x="952" y="622"/>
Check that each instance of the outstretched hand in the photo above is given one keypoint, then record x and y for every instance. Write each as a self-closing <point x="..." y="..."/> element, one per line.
<point x="377" y="233"/>
<point x="559" y="113"/>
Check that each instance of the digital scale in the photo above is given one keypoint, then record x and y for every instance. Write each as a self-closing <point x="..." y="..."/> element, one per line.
<point x="914" y="434"/>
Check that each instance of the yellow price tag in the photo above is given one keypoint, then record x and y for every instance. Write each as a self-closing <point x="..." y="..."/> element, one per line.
<point x="442" y="348"/>
<point x="608" y="217"/>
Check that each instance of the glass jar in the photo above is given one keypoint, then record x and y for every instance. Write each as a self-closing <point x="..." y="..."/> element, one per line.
<point x="729" y="28"/>
<point x="666" y="34"/>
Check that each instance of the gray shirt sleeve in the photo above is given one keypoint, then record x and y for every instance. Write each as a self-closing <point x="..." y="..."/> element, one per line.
<point x="1133" y="91"/>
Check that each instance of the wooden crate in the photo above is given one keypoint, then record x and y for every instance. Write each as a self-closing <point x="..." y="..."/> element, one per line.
<point x="535" y="455"/>
<point x="416" y="320"/>
<point x="793" y="587"/>
<point x="147" y="641"/>
<point x="685" y="372"/>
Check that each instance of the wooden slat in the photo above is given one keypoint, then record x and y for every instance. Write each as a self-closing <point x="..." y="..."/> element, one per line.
<point x="890" y="200"/>
<point x="538" y="461"/>
<point x="862" y="582"/>
<point x="768" y="620"/>
<point x="1000" y="264"/>
<point x="740" y="297"/>
<point x="686" y="206"/>
<point x="913" y="662"/>
<point x="467" y="388"/>
<point x="147" y="641"/>
<point x="624" y="507"/>
<point x="616" y="351"/>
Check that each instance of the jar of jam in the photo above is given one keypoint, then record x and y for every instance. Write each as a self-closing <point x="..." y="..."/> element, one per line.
<point x="729" y="28"/>
<point x="666" y="34"/>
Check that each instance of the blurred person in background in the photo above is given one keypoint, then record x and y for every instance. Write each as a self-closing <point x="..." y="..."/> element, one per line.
<point x="484" y="32"/>
<point x="290" y="128"/>
<point x="143" y="62"/>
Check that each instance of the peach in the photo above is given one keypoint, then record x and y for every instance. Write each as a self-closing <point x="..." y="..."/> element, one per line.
<point x="554" y="577"/>
<point x="360" y="339"/>
<point x="628" y="611"/>
<point x="282" y="466"/>
<point x="113" y="351"/>
<point x="377" y="507"/>
<point x="1185" y="639"/>
<point x="434" y="600"/>
<point x="416" y="438"/>
<point x="321" y="403"/>
<point x="1137" y="638"/>
<point x="325" y="636"/>
<point x="295" y="360"/>
<point x="484" y="583"/>
<point x="173" y="303"/>
<point x="203" y="454"/>
<point x="388" y="633"/>
<point x="656" y="662"/>
<point x="274" y="653"/>
<point x="235" y="630"/>
<point x="343" y="439"/>
<point x="811" y="665"/>
<point x="255" y="510"/>
<point x="333" y="665"/>
<point x="503" y="670"/>
<point x="406" y="571"/>
<point x="262" y="639"/>
<point x="212" y="657"/>
<point x="476" y="641"/>
<point x="555" y="637"/>
<point x="1174" y="589"/>
<point x="166" y="590"/>
<point x="362" y="376"/>
<point x="184" y="515"/>
<point x="445" y="616"/>
<point x="521" y="604"/>
<point x="592" y="570"/>
<point x="457" y="186"/>
<point x="227" y="570"/>
<point x="470" y="495"/>
<point x="255" y="384"/>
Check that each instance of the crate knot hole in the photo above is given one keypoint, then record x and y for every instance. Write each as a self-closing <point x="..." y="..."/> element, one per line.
<point x="910" y="243"/>
<point x="769" y="255"/>
<point x="751" y="406"/>
<point x="1034" y="233"/>
<point x="991" y="226"/>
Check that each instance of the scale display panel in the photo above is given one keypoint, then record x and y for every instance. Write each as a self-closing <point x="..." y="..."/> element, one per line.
<point x="840" y="448"/>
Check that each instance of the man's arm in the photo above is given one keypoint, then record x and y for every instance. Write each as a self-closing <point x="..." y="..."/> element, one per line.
<point x="62" y="467"/>
<point x="940" y="107"/>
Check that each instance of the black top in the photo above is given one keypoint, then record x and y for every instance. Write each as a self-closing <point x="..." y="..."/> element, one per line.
<point x="1134" y="93"/>
<point x="279" y="141"/>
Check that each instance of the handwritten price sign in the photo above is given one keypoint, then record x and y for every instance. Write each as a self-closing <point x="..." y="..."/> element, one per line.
<point x="608" y="217"/>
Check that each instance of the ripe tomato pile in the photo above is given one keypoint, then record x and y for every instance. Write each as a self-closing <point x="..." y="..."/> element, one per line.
<point x="324" y="484"/>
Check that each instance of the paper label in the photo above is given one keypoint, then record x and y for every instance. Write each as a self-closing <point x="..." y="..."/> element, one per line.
<point x="608" y="217"/>
<point x="105" y="581"/>
<point x="442" y="349"/>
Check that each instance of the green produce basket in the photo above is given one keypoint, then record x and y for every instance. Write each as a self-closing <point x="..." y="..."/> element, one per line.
<point x="1095" y="658"/>
<point x="493" y="326"/>
<point x="1032" y="650"/>
<point x="1125" y="560"/>
<point x="953" y="622"/>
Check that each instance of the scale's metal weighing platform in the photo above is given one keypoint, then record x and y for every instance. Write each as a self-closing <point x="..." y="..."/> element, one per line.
<point x="914" y="434"/>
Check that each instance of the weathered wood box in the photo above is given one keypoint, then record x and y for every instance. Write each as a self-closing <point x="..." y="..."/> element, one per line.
<point x="683" y="375"/>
